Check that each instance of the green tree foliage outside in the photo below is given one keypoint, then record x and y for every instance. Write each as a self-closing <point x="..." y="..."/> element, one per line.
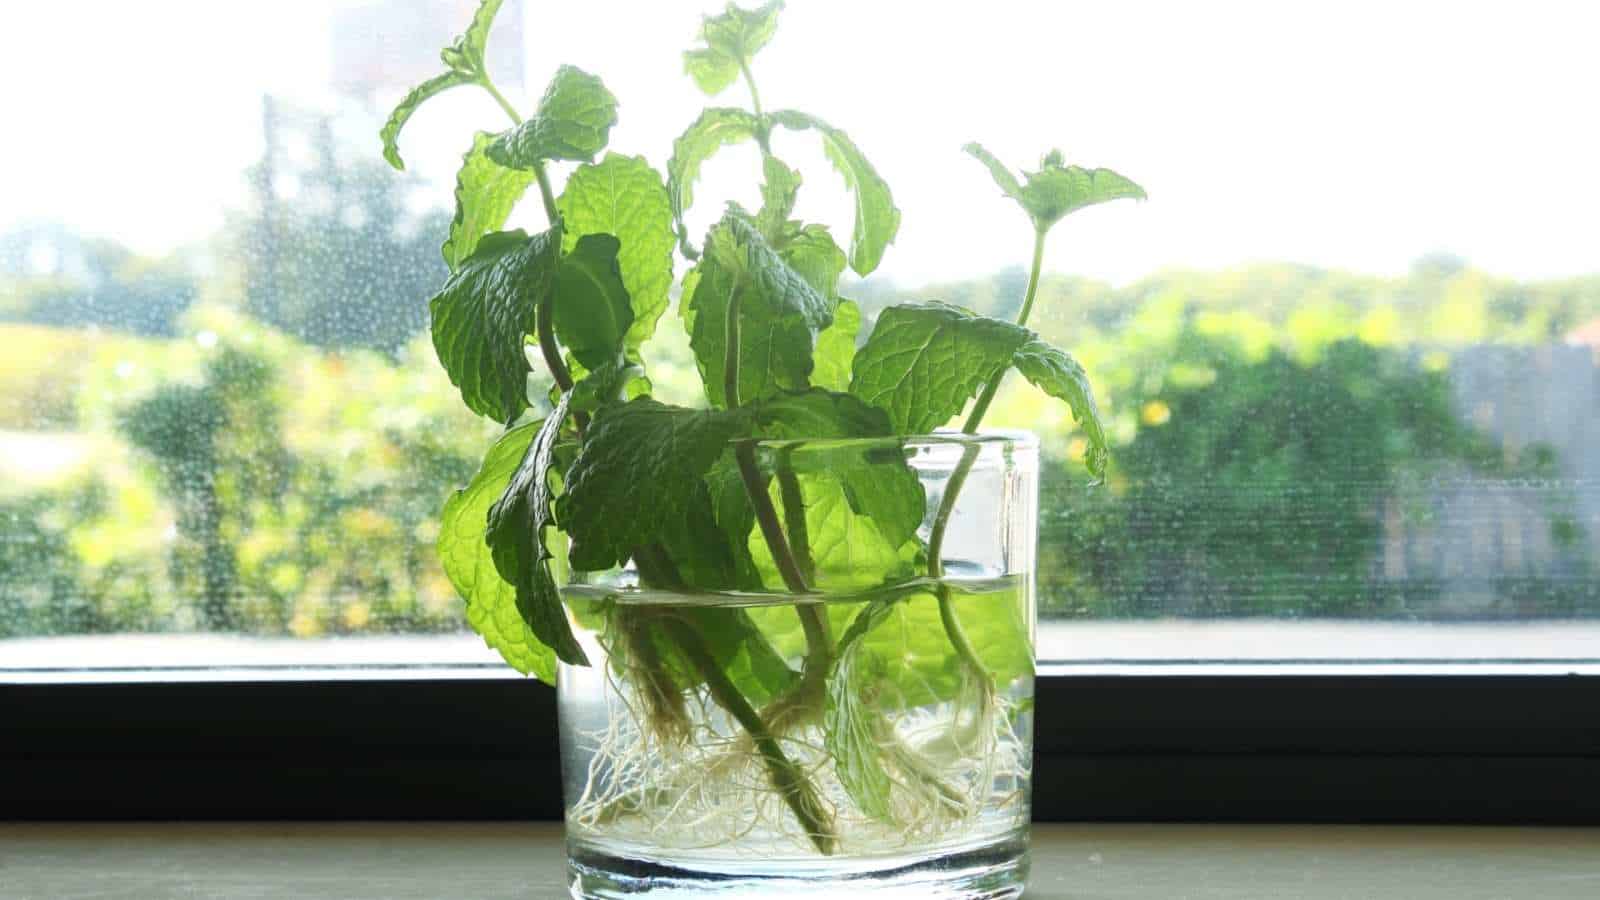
<point x="237" y="479"/>
<point x="337" y="261"/>
<point x="1264" y="421"/>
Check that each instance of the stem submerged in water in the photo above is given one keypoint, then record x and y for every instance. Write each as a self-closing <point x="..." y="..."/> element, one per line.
<point x="958" y="479"/>
<point x="789" y="779"/>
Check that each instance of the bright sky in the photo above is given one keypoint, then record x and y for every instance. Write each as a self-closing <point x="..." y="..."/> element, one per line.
<point x="1354" y="134"/>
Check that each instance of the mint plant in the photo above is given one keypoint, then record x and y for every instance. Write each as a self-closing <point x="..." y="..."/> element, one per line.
<point x="610" y="476"/>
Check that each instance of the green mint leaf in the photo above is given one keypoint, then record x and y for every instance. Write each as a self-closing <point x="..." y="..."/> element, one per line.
<point x="877" y="218"/>
<point x="849" y="551"/>
<point x="779" y="314"/>
<point x="1057" y="190"/>
<point x="484" y="310"/>
<point x="713" y="71"/>
<point x="836" y="348"/>
<point x="625" y="196"/>
<point x="636" y="475"/>
<point x="915" y="651"/>
<point x="1051" y="194"/>
<point x="811" y="252"/>
<point x="876" y="479"/>
<point x="1056" y="373"/>
<point x="895" y="653"/>
<point x="923" y="362"/>
<point x="741" y="33"/>
<point x="754" y="666"/>
<point x="734" y="516"/>
<point x="465" y="55"/>
<point x="592" y="309"/>
<point x="1002" y="175"/>
<point x="714" y="129"/>
<point x="468" y="563"/>
<point x="816" y="413"/>
<point x="731" y="39"/>
<point x="891" y="495"/>
<point x="778" y="192"/>
<point x="573" y="122"/>
<point x="706" y="556"/>
<point x="853" y="730"/>
<point x="611" y="383"/>
<point x="486" y="192"/>
<point x="390" y="133"/>
<point x="516" y="538"/>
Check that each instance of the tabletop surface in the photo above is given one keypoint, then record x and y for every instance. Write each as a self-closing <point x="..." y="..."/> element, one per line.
<point x="491" y="861"/>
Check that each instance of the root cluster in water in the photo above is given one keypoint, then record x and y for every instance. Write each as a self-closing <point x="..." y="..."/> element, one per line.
<point x="698" y="781"/>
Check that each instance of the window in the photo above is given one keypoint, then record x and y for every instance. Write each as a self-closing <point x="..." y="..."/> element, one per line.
<point x="1350" y="351"/>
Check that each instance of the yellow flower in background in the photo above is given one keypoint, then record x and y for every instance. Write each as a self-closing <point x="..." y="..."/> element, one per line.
<point x="356" y="616"/>
<point x="304" y="625"/>
<point x="1155" y="413"/>
<point x="1076" y="448"/>
<point x="1380" y="327"/>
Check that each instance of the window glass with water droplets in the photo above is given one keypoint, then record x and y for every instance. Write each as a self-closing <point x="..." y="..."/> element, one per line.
<point x="1346" y="352"/>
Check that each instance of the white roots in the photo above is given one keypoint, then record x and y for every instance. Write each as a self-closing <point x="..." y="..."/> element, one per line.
<point x="954" y="767"/>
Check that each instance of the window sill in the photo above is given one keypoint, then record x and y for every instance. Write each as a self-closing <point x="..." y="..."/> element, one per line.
<point x="524" y="861"/>
<point x="1144" y="647"/>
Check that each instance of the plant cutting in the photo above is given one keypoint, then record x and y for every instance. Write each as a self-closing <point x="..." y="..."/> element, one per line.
<point x="791" y="628"/>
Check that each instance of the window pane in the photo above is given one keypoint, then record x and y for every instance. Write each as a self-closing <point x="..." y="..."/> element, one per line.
<point x="1347" y="351"/>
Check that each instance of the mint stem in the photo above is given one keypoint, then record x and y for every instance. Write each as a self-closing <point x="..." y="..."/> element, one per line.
<point x="819" y="651"/>
<point x="795" y="565"/>
<point x="730" y="356"/>
<point x="958" y="479"/>
<point x="544" y="315"/>
<point x="545" y="193"/>
<point x="794" y="517"/>
<point x="750" y="82"/>
<point x="819" y="644"/>
<point x="788" y="778"/>
<point x="980" y="408"/>
<point x="767" y="518"/>
<point x="763" y="128"/>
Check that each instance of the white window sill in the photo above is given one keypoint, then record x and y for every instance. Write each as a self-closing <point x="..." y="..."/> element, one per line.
<point x="1173" y="646"/>
<point x="401" y="861"/>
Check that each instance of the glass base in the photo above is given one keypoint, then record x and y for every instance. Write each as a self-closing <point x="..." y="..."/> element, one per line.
<point x="993" y="870"/>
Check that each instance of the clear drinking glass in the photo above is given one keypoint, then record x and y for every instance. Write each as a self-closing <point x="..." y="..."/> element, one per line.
<point x="874" y="734"/>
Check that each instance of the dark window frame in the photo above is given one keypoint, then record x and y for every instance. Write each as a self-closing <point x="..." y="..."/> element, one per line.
<point x="1445" y="748"/>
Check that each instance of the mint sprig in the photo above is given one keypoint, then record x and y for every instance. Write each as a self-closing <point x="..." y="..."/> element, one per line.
<point x="750" y="303"/>
<point x="1057" y="189"/>
<point x="464" y="65"/>
<point x="731" y="39"/>
<point x="794" y="481"/>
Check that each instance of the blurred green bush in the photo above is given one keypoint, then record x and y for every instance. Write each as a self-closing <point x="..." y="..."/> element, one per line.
<point x="1270" y="425"/>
